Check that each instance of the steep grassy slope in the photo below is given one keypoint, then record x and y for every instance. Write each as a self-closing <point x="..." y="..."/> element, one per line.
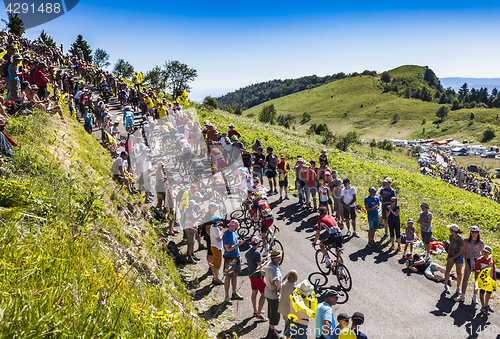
<point x="368" y="168"/>
<point x="76" y="261"/>
<point x="359" y="103"/>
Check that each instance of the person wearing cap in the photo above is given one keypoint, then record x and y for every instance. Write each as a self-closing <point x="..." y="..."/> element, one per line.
<point x="325" y="323"/>
<point x="385" y="194"/>
<point x="425" y="221"/>
<point x="283" y="168"/>
<point x="342" y="327"/>
<point x="271" y="162"/>
<point x="336" y="187"/>
<point x="473" y="249"/>
<point x="14" y="79"/>
<point x="483" y="262"/>
<point x="297" y="328"/>
<point x="455" y="256"/>
<point x="119" y="172"/>
<point x="232" y="131"/>
<point x="409" y="237"/>
<point x="46" y="104"/>
<point x="186" y="196"/>
<point x="232" y="260"/>
<point x="216" y="232"/>
<point x="257" y="282"/>
<point x="323" y="157"/>
<point x="272" y="274"/>
<point x="6" y="61"/>
<point x="394" y="222"/>
<point x="372" y="204"/>
<point x="357" y="319"/>
<point x="348" y="200"/>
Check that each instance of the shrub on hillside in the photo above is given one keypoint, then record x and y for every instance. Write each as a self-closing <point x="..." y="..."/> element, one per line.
<point x="442" y="112"/>
<point x="268" y="114"/>
<point x="488" y="134"/>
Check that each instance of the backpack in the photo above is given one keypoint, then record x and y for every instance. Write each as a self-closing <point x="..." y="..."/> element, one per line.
<point x="178" y="197"/>
<point x="273" y="161"/>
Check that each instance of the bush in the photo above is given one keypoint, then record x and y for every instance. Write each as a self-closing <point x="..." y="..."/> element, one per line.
<point x="373" y="143"/>
<point x="488" y="134"/>
<point x="424" y="121"/>
<point x="442" y="112"/>
<point x="385" y="77"/>
<point x="385" y="145"/>
<point x="395" y="119"/>
<point x="345" y="140"/>
<point x="268" y="114"/>
<point x="305" y="118"/>
<point x="238" y="110"/>
<point x="211" y="103"/>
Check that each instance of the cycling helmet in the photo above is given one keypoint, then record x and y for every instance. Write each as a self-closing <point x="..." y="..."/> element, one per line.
<point x="257" y="195"/>
<point x="256" y="180"/>
<point x="323" y="210"/>
<point x="213" y="169"/>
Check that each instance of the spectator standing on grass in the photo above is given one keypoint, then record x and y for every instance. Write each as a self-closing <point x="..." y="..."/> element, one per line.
<point x="216" y="233"/>
<point x="455" y="256"/>
<point x="425" y="221"/>
<point x="283" y="168"/>
<point x="385" y="194"/>
<point x="394" y="222"/>
<point x="232" y="260"/>
<point x="232" y="132"/>
<point x="483" y="262"/>
<point x="473" y="249"/>
<point x="348" y="200"/>
<point x="323" y="157"/>
<point x="325" y="322"/>
<point x="272" y="163"/>
<point x="272" y="292"/>
<point x="257" y="281"/>
<point x="372" y="204"/>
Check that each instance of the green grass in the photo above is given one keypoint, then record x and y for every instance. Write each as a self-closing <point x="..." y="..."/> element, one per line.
<point x="358" y="103"/>
<point x="66" y="275"/>
<point x="366" y="168"/>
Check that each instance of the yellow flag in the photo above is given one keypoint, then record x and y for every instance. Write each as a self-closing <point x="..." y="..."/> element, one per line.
<point x="485" y="281"/>
<point x="62" y="97"/>
<point x="2" y="54"/>
<point x="139" y="77"/>
<point x="16" y="48"/>
<point x="304" y="302"/>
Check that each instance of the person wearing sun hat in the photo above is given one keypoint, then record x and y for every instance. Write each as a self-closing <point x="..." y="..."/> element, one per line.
<point x="473" y="249"/>
<point x="455" y="256"/>
<point x="298" y="320"/>
<point x="257" y="281"/>
<point x="272" y="291"/>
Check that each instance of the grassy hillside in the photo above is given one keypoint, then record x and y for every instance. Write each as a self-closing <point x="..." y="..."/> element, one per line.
<point x="368" y="168"/>
<point x="360" y="103"/>
<point x="75" y="259"/>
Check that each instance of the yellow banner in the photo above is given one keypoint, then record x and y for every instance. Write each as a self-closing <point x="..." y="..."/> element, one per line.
<point x="304" y="302"/>
<point x="485" y="281"/>
<point x="139" y="78"/>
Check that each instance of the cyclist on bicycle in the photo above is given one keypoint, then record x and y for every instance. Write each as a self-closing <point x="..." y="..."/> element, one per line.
<point x="261" y="208"/>
<point x="217" y="182"/>
<point x="128" y="119"/>
<point x="334" y="235"/>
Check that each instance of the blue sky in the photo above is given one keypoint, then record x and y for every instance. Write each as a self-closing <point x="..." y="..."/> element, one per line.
<point x="237" y="43"/>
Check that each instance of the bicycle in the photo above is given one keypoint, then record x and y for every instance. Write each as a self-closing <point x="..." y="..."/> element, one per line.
<point x="244" y="215"/>
<point x="338" y="268"/>
<point x="270" y="238"/>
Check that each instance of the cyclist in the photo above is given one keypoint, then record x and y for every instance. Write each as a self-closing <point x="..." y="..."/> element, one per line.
<point x="261" y="206"/>
<point x="217" y="181"/>
<point x="334" y="235"/>
<point x="128" y="119"/>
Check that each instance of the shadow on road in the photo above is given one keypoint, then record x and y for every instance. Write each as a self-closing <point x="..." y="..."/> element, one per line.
<point x="239" y="329"/>
<point x="320" y="283"/>
<point x="214" y="311"/>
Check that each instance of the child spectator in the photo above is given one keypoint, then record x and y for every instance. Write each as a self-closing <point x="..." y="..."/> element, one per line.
<point x="410" y="237"/>
<point x="486" y="261"/>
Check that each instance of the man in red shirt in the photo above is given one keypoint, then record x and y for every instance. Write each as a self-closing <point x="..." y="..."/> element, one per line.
<point x="41" y="81"/>
<point x="232" y="132"/>
<point x="310" y="178"/>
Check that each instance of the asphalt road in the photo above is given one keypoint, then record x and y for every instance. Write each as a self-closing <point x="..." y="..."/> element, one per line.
<point x="395" y="303"/>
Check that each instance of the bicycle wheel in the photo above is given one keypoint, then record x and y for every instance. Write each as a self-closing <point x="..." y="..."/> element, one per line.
<point x="277" y="244"/>
<point x="246" y="223"/>
<point x="321" y="263"/>
<point x="344" y="277"/>
<point x="222" y="208"/>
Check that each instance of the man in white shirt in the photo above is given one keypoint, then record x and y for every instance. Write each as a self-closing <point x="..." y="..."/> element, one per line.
<point x="348" y="200"/>
<point x="119" y="172"/>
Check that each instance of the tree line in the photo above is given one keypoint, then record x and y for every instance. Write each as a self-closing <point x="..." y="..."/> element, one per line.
<point x="256" y="94"/>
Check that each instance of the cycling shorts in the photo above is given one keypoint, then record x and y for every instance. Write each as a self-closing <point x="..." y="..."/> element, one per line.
<point x="334" y="239"/>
